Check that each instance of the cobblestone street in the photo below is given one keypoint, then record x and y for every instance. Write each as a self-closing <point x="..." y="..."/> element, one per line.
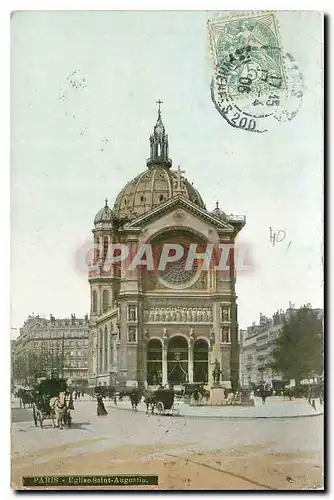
<point x="186" y="453"/>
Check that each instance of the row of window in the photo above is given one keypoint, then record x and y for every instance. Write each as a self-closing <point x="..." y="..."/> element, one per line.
<point x="59" y="343"/>
<point x="80" y="353"/>
<point x="50" y="335"/>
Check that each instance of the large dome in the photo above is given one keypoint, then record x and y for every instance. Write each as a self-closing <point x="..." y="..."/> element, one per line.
<point x="151" y="188"/>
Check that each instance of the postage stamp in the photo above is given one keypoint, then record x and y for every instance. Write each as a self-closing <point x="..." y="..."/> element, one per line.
<point x="254" y="84"/>
<point x="247" y="54"/>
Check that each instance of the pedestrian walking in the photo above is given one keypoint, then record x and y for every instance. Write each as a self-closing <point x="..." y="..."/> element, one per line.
<point x="263" y="395"/>
<point x="70" y="403"/>
<point x="101" y="410"/>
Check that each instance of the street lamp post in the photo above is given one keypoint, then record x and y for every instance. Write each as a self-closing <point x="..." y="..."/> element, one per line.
<point x="62" y="355"/>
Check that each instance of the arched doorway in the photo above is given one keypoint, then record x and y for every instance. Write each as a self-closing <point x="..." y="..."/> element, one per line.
<point x="177" y="361"/>
<point x="154" y="362"/>
<point x="201" y="358"/>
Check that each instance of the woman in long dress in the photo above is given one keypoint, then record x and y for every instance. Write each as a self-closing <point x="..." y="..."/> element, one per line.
<point x="101" y="410"/>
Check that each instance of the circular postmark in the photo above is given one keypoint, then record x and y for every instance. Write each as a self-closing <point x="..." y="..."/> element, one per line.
<point x="254" y="85"/>
<point x="252" y="94"/>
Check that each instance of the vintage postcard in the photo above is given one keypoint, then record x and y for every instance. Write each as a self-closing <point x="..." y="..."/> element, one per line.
<point x="167" y="324"/>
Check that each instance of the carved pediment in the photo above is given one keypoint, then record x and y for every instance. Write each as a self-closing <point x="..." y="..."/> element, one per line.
<point x="181" y="206"/>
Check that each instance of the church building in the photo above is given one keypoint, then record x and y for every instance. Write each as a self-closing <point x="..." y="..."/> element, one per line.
<point x="162" y="282"/>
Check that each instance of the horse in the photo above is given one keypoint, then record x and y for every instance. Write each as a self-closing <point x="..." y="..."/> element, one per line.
<point x="59" y="410"/>
<point x="25" y="398"/>
<point x="149" y="401"/>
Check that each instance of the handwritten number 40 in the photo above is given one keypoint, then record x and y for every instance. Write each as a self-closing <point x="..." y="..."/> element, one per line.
<point x="277" y="237"/>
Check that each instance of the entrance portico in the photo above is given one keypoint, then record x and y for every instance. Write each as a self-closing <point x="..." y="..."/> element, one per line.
<point x="177" y="360"/>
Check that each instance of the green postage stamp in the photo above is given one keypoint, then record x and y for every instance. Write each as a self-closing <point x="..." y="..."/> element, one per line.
<point x="255" y="84"/>
<point x="247" y="55"/>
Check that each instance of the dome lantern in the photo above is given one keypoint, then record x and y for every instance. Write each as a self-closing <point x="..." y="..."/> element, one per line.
<point x="105" y="214"/>
<point x="159" y="145"/>
<point x="158" y="183"/>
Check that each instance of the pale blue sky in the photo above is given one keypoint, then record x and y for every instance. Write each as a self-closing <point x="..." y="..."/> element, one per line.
<point x="60" y="176"/>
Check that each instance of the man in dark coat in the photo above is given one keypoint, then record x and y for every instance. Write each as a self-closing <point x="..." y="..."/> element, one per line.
<point x="101" y="410"/>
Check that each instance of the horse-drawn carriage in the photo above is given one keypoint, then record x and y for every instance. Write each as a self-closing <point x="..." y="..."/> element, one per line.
<point x="50" y="403"/>
<point x="163" y="400"/>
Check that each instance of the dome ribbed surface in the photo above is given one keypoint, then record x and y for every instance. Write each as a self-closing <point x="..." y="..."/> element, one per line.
<point x="151" y="188"/>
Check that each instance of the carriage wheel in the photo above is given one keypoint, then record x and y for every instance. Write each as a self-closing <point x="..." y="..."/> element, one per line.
<point x="160" y="407"/>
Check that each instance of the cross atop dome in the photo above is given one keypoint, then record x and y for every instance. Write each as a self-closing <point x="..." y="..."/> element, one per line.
<point x="159" y="143"/>
<point x="159" y="102"/>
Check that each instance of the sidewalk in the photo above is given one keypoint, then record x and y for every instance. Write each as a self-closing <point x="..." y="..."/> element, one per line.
<point x="271" y="409"/>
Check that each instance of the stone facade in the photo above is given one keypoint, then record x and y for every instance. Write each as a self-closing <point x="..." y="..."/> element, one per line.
<point x="53" y="345"/>
<point x="147" y="325"/>
<point x="256" y="345"/>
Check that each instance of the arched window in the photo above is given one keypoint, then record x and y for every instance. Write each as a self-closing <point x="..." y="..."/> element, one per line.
<point x="201" y="358"/>
<point x="177" y="360"/>
<point x="154" y="362"/>
<point x="94" y="301"/>
<point x="97" y="249"/>
<point x="105" y="300"/>
<point x="105" y="247"/>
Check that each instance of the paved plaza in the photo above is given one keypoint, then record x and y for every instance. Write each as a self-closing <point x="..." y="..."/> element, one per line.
<point x="189" y="452"/>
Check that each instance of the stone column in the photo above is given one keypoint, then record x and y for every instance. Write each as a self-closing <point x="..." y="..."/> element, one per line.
<point x="117" y="361"/>
<point x="211" y="358"/>
<point x="108" y="351"/>
<point x="144" y="361"/>
<point x="164" y="364"/>
<point x="103" y="351"/>
<point x="191" y="363"/>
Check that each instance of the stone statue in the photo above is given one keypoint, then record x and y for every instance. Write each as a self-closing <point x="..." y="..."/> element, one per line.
<point x="204" y="314"/>
<point x="172" y="314"/>
<point x="132" y="313"/>
<point x="156" y="314"/>
<point x="216" y="371"/>
<point x="199" y="315"/>
<point x="210" y="315"/>
<point x="164" y="333"/>
<point x="225" y="314"/>
<point x="150" y="317"/>
<point x="178" y="314"/>
<point x="191" y="333"/>
<point x="162" y="314"/>
<point x="167" y="316"/>
<point x="194" y="314"/>
<point x="189" y="314"/>
<point x="224" y="334"/>
<point x="184" y="314"/>
<point x="132" y="335"/>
